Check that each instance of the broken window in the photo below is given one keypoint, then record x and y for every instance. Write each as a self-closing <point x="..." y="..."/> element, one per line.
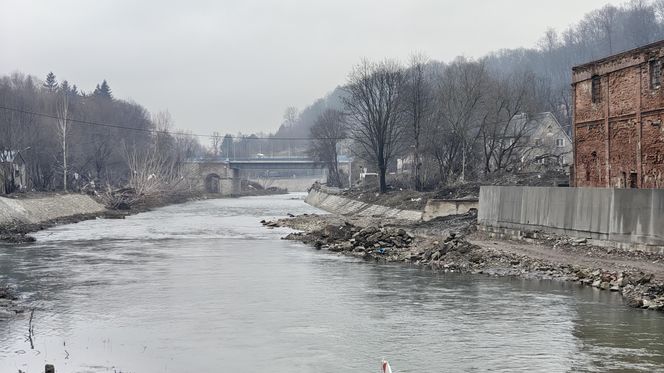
<point x="596" y="87"/>
<point x="655" y="74"/>
<point x="633" y="177"/>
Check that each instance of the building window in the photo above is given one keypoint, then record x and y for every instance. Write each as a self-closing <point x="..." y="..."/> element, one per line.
<point x="655" y="74"/>
<point x="596" y="88"/>
<point x="538" y="142"/>
<point x="560" y="143"/>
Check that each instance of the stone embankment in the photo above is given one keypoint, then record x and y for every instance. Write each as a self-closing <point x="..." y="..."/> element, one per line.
<point x="459" y="248"/>
<point x="19" y="216"/>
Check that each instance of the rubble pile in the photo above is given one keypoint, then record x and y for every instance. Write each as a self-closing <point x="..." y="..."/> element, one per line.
<point x="452" y="252"/>
<point x="369" y="242"/>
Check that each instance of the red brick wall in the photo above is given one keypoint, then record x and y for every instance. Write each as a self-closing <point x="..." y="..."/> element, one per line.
<point x="623" y="91"/>
<point x="590" y="166"/>
<point x="634" y="115"/>
<point x="652" y="148"/>
<point x="623" y="155"/>
<point x="584" y="108"/>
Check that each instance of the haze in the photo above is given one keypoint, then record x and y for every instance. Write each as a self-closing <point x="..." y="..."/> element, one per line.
<point x="232" y="66"/>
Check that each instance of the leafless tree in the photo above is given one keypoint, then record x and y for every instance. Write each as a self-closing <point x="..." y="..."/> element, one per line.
<point x="374" y="110"/>
<point x="290" y="117"/>
<point x="63" y="125"/>
<point x="460" y="93"/>
<point x="418" y="106"/>
<point x="504" y="131"/>
<point x="216" y="142"/>
<point x="326" y="134"/>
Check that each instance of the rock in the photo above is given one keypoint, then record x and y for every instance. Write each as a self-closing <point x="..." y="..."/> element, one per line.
<point x="645" y="279"/>
<point x="596" y="283"/>
<point x="604" y="285"/>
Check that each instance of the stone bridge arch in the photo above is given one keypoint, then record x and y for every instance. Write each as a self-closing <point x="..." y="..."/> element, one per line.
<point x="212" y="183"/>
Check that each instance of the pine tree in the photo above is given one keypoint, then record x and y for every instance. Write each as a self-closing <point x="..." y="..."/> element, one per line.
<point x="51" y="84"/>
<point x="103" y="90"/>
<point x="64" y="87"/>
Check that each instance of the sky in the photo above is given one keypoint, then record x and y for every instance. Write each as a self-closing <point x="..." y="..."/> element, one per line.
<point x="236" y="65"/>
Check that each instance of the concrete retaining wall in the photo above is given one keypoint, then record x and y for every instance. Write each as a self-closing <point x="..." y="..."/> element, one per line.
<point x="628" y="217"/>
<point x="42" y="209"/>
<point x="444" y="207"/>
<point x="346" y="206"/>
<point x="293" y="185"/>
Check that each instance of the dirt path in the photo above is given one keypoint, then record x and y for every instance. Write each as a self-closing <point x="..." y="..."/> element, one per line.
<point x="591" y="257"/>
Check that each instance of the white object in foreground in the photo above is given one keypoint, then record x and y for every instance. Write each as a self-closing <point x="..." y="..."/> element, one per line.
<point x="385" y="367"/>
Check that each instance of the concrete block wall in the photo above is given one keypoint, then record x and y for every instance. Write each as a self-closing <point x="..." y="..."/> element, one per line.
<point x="346" y="206"/>
<point x="444" y="207"/>
<point x="634" y="217"/>
<point x="42" y="209"/>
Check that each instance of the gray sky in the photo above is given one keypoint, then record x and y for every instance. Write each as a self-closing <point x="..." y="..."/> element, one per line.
<point x="235" y="65"/>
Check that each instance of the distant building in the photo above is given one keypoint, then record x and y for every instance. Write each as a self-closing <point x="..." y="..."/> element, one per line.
<point x="13" y="175"/>
<point x="546" y="144"/>
<point x="618" y="113"/>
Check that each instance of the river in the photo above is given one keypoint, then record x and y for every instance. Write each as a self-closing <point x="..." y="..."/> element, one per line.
<point x="203" y="287"/>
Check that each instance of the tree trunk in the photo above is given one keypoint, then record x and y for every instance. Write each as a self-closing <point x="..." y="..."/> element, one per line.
<point x="382" y="185"/>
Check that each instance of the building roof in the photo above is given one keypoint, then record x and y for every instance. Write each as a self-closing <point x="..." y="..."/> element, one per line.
<point x="537" y="120"/>
<point x="10" y="155"/>
<point x="612" y="57"/>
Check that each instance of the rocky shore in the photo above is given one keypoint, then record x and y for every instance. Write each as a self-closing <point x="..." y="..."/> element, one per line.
<point x="452" y="244"/>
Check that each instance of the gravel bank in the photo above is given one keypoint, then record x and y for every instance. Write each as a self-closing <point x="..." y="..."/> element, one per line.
<point x="451" y="244"/>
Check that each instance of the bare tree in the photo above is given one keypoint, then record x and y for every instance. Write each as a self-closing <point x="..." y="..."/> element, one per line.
<point x="290" y="117"/>
<point x="418" y="104"/>
<point x="504" y="130"/>
<point x="460" y="91"/>
<point x="326" y="133"/>
<point x="216" y="142"/>
<point x="63" y="131"/>
<point x="374" y="110"/>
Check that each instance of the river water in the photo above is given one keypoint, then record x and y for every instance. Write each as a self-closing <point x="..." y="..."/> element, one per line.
<point x="203" y="287"/>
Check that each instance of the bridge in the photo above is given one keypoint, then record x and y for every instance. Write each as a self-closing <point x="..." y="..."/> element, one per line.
<point x="225" y="176"/>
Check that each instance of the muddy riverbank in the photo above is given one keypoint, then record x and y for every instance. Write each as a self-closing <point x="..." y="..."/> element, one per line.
<point x="451" y="244"/>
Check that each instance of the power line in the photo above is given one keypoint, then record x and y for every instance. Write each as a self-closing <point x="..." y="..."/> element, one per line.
<point x="157" y="131"/>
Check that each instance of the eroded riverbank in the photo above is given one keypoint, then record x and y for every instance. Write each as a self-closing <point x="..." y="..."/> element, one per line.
<point x="451" y="244"/>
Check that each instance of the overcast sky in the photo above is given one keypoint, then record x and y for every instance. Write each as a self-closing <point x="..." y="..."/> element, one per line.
<point x="235" y="65"/>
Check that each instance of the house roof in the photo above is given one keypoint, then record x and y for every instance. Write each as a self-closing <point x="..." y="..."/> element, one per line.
<point x="538" y="120"/>
<point x="10" y="155"/>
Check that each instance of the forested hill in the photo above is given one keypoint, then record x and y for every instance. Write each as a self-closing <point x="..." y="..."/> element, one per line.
<point x="600" y="33"/>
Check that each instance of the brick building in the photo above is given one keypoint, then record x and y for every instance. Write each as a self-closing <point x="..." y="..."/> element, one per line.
<point x="618" y="113"/>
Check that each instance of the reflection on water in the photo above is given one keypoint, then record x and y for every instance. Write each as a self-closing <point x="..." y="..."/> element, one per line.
<point x="203" y="287"/>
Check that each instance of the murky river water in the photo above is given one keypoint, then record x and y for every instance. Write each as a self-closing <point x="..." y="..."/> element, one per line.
<point x="202" y="287"/>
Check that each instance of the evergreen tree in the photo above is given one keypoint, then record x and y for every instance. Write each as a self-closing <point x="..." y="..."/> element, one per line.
<point x="103" y="90"/>
<point x="65" y="88"/>
<point x="51" y="84"/>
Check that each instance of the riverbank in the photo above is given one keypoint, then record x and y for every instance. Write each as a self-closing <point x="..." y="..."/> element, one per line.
<point x="23" y="214"/>
<point x="452" y="244"/>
